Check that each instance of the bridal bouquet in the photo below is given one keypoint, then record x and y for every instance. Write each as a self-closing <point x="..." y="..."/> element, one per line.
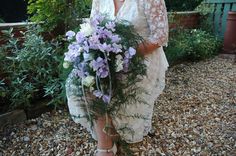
<point x="102" y="56"/>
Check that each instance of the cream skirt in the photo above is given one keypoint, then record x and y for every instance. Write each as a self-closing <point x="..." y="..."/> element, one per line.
<point x="131" y="128"/>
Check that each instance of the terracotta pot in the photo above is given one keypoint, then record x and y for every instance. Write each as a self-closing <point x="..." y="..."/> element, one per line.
<point x="230" y="34"/>
<point x="186" y="19"/>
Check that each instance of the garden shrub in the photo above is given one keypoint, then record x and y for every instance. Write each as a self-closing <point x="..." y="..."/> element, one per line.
<point x="206" y="22"/>
<point x="182" y="5"/>
<point x="55" y="12"/>
<point x="191" y="45"/>
<point x="30" y="70"/>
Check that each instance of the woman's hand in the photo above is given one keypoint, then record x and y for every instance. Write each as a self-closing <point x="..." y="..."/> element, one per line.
<point x="146" y="48"/>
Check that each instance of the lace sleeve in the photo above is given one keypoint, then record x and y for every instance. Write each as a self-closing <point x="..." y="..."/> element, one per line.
<point x="156" y="14"/>
<point x="95" y="8"/>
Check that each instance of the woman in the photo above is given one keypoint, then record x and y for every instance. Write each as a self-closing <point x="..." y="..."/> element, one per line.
<point x="149" y="18"/>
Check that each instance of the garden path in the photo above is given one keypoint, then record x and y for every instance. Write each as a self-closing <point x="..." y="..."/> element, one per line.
<point x="195" y="115"/>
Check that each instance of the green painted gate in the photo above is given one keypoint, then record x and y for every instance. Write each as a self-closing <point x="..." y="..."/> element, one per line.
<point x="220" y="14"/>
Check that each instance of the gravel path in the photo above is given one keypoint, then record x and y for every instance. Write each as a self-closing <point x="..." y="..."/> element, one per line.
<point x="195" y="115"/>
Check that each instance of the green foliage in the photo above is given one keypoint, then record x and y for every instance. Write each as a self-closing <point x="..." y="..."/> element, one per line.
<point x="32" y="68"/>
<point x="1" y="20"/>
<point x="182" y="5"/>
<point x="205" y="11"/>
<point x="191" y="45"/>
<point x="55" y="12"/>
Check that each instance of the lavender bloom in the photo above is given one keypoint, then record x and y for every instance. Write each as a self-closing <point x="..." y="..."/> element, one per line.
<point x="80" y="71"/>
<point x="103" y="33"/>
<point x="86" y="46"/>
<point x="116" y="48"/>
<point x="110" y="25"/>
<point x="126" y="64"/>
<point x="103" y="72"/>
<point x="98" y="63"/>
<point x="74" y="51"/>
<point x="70" y="34"/>
<point x="105" y="47"/>
<point x="115" y="38"/>
<point x="131" y="51"/>
<point x="97" y="18"/>
<point x="106" y="98"/>
<point x="80" y="37"/>
<point x="94" y="42"/>
<point x="97" y="93"/>
<point x="75" y="47"/>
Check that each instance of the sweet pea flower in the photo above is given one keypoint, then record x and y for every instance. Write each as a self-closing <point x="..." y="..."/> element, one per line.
<point x="86" y="29"/>
<point x="110" y="25"/>
<point x="70" y="34"/>
<point x="88" y="81"/>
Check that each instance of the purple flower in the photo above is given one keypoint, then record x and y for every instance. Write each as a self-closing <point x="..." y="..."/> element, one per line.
<point x="73" y="53"/>
<point x="97" y="93"/>
<point x="94" y="41"/>
<point x="115" y="38"/>
<point x="116" y="48"/>
<point x="86" y="46"/>
<point x="70" y="34"/>
<point x="103" y="33"/>
<point x="106" y="98"/>
<point x="103" y="72"/>
<point x="79" y="72"/>
<point x="110" y="25"/>
<point x="131" y="51"/>
<point x="126" y="64"/>
<point x="80" y="37"/>
<point x="98" y="63"/>
<point x="97" y="18"/>
<point x="105" y="47"/>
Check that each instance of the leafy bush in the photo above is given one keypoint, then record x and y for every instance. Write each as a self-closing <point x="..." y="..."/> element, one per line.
<point x="55" y="12"/>
<point x="206" y="22"/>
<point x="182" y="5"/>
<point x="31" y="68"/>
<point x="191" y="45"/>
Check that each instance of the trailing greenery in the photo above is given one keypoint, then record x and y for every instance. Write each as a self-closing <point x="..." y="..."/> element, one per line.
<point x="30" y="69"/>
<point x="56" y="12"/>
<point x="191" y="45"/>
<point x="182" y="5"/>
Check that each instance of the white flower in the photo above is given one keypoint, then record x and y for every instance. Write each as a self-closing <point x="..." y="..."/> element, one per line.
<point x="86" y="29"/>
<point x="70" y="34"/>
<point x="88" y="81"/>
<point x="119" y="63"/>
<point x="80" y="49"/>
<point x="87" y="56"/>
<point x="66" y="64"/>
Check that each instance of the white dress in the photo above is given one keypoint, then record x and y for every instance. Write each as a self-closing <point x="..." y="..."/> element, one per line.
<point x="149" y="18"/>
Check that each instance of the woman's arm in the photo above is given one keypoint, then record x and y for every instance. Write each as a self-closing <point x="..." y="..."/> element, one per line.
<point x="146" y="48"/>
<point x="156" y="15"/>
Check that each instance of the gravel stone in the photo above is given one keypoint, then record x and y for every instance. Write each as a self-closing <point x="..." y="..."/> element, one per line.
<point x="195" y="115"/>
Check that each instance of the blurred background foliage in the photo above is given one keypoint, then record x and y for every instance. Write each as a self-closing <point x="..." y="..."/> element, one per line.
<point x="31" y="66"/>
<point x="182" y="5"/>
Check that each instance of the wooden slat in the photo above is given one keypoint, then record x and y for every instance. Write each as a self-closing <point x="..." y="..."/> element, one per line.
<point x="217" y="19"/>
<point x="220" y="1"/>
<point x="234" y="7"/>
<point x="224" y="19"/>
<point x="220" y="16"/>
